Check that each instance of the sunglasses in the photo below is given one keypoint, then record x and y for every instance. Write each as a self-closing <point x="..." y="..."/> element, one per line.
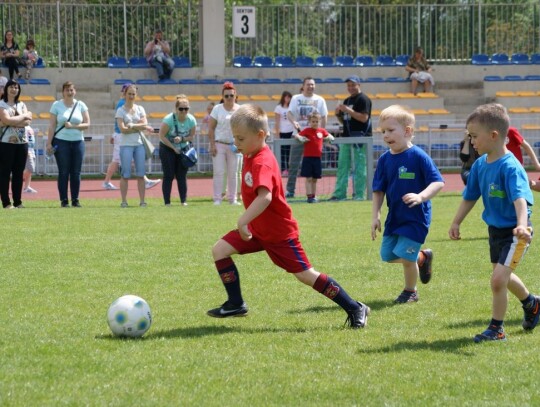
<point x="228" y="96"/>
<point x="183" y="109"/>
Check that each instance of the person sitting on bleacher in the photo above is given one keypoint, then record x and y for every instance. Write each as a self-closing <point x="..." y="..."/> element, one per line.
<point x="157" y="53"/>
<point x="419" y="71"/>
<point x="29" y="57"/>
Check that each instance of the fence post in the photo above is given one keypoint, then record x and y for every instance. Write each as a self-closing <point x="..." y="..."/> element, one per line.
<point x="59" y="35"/>
<point x="125" y="33"/>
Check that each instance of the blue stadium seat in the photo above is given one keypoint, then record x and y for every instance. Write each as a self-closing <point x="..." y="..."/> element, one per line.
<point x="455" y="146"/>
<point x="480" y="59"/>
<point x="146" y="82"/>
<point x="385" y="60"/>
<point x="532" y="77"/>
<point x="251" y="81"/>
<point x="263" y="61"/>
<point x="122" y="81"/>
<point x="332" y="80"/>
<point x="242" y="61"/>
<point x="21" y="81"/>
<point x="181" y="62"/>
<point x="324" y="60"/>
<point x="117" y="62"/>
<point x="138" y="62"/>
<point x="378" y="147"/>
<point x="440" y="146"/>
<point x="39" y="81"/>
<point x="167" y="82"/>
<point x="513" y="78"/>
<point x="364" y="60"/>
<point x="40" y="63"/>
<point x="535" y="58"/>
<point x="292" y="80"/>
<point x="374" y="79"/>
<point x="283" y="61"/>
<point x="401" y="60"/>
<point x="272" y="80"/>
<point x="209" y="81"/>
<point x="493" y="78"/>
<point x="344" y="60"/>
<point x="520" y="59"/>
<point x="188" y="81"/>
<point x="500" y="59"/>
<point x="423" y="146"/>
<point x="303" y="60"/>
<point x="397" y="79"/>
<point x="233" y="80"/>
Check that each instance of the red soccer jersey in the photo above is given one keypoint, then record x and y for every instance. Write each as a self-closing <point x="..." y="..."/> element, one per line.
<point x="313" y="147"/>
<point x="276" y="223"/>
<point x="514" y="140"/>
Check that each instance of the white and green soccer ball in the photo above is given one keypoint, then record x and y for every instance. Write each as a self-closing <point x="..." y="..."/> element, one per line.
<point x="129" y="316"/>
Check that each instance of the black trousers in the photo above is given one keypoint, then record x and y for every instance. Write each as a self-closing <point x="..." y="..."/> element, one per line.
<point x="12" y="163"/>
<point x="172" y="168"/>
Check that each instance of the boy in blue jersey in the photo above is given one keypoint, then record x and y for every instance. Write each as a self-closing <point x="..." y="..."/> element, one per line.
<point x="499" y="178"/>
<point x="409" y="179"/>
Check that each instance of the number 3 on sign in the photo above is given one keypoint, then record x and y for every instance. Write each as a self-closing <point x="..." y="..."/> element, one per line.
<point x="244" y="22"/>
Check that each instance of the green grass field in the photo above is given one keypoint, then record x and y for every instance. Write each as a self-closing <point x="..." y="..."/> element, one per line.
<point x="61" y="269"/>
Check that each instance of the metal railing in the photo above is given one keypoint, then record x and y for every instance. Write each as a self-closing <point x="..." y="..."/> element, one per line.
<point x="79" y="34"/>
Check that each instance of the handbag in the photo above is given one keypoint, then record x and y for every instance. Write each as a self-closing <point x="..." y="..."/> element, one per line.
<point x="189" y="156"/>
<point x="148" y="146"/>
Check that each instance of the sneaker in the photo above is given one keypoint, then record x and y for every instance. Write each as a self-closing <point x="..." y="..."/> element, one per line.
<point x="406" y="296"/>
<point x="216" y="202"/>
<point x="124" y="205"/>
<point x="168" y="205"/>
<point x="151" y="183"/>
<point x="9" y="207"/>
<point x="491" y="334"/>
<point x="21" y="206"/>
<point x="289" y="195"/>
<point x="183" y="204"/>
<point x="358" y="318"/>
<point x="334" y="199"/>
<point x="312" y="200"/>
<point x="64" y="204"/>
<point x="108" y="186"/>
<point x="425" y="269"/>
<point x="76" y="204"/>
<point x="143" y="205"/>
<point x="30" y="190"/>
<point x="531" y="315"/>
<point x="229" y="310"/>
<point x="235" y="203"/>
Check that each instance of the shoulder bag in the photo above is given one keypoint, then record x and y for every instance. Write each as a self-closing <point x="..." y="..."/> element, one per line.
<point x="148" y="146"/>
<point x="188" y="154"/>
<point x="62" y="126"/>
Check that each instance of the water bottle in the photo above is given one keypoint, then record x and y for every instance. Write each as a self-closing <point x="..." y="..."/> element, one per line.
<point x="49" y="154"/>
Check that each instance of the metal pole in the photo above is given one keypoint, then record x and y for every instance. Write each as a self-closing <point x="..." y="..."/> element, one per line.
<point x="59" y="35"/>
<point x="295" y="29"/>
<point x="125" y="33"/>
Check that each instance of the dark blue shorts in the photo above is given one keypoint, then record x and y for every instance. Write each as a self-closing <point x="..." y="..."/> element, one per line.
<point x="311" y="167"/>
<point x="505" y="248"/>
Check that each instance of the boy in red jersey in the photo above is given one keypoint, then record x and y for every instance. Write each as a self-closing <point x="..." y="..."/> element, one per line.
<point x="313" y="137"/>
<point x="267" y="224"/>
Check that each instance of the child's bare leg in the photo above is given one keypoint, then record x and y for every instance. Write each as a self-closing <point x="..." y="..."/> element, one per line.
<point x="500" y="281"/>
<point x="314" y="187"/>
<point x="410" y="273"/>
<point x="222" y="249"/>
<point x="308" y="186"/>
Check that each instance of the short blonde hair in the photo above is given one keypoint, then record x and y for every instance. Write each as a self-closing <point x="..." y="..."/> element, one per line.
<point x="181" y="98"/>
<point x="402" y="114"/>
<point x="251" y="117"/>
<point x="492" y="116"/>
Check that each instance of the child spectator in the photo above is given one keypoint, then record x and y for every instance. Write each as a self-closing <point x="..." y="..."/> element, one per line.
<point x="409" y="179"/>
<point x="312" y="137"/>
<point x="29" y="57"/>
<point x="30" y="161"/>
<point x="268" y="225"/>
<point x="206" y="119"/>
<point x="501" y="181"/>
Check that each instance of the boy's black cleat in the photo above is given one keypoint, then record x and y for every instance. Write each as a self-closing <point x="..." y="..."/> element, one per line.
<point x="358" y="318"/>
<point x="493" y="333"/>
<point x="532" y="315"/>
<point x="425" y="268"/>
<point x="229" y="310"/>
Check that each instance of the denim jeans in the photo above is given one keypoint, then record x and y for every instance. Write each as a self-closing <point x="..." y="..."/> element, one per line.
<point x="164" y="67"/>
<point x="69" y="158"/>
<point x="129" y="154"/>
<point x="172" y="168"/>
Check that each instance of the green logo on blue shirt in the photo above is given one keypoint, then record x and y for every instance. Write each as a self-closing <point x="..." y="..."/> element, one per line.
<point x="403" y="174"/>
<point x="495" y="192"/>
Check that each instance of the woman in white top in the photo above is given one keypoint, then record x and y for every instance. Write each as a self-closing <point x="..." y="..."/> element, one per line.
<point x="14" y="145"/>
<point x="69" y="119"/>
<point x="283" y="129"/>
<point x="131" y="120"/>
<point x="224" y="157"/>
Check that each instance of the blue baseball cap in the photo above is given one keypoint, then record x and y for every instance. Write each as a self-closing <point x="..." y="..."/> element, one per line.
<point x="353" y="78"/>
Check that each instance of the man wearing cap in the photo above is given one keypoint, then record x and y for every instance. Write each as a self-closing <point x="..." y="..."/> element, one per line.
<point x="157" y="53"/>
<point x="300" y="107"/>
<point x="355" y="116"/>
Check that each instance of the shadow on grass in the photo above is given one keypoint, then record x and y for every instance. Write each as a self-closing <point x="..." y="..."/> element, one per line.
<point x="374" y="305"/>
<point x="482" y="323"/>
<point x="459" y="346"/>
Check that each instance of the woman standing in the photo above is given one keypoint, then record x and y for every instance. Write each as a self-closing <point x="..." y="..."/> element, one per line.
<point x="222" y="148"/>
<point x="284" y="129"/>
<point x="10" y="54"/>
<point x="13" y="144"/>
<point x="176" y="131"/>
<point x="69" y="119"/>
<point x="131" y="120"/>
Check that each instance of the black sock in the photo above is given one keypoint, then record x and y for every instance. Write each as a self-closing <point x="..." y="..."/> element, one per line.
<point x="231" y="279"/>
<point x="495" y="324"/>
<point x="330" y="288"/>
<point x="528" y="302"/>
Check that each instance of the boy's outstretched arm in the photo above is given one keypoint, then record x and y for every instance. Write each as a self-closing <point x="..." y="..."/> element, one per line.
<point x="378" y="199"/>
<point x="428" y="193"/>
<point x="259" y="204"/>
<point x="464" y="208"/>
<point x="521" y="231"/>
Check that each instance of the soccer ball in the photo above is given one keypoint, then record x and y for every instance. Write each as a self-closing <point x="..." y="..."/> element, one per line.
<point x="129" y="316"/>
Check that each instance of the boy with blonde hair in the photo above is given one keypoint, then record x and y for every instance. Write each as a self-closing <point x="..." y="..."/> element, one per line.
<point x="499" y="178"/>
<point x="409" y="179"/>
<point x="268" y="225"/>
